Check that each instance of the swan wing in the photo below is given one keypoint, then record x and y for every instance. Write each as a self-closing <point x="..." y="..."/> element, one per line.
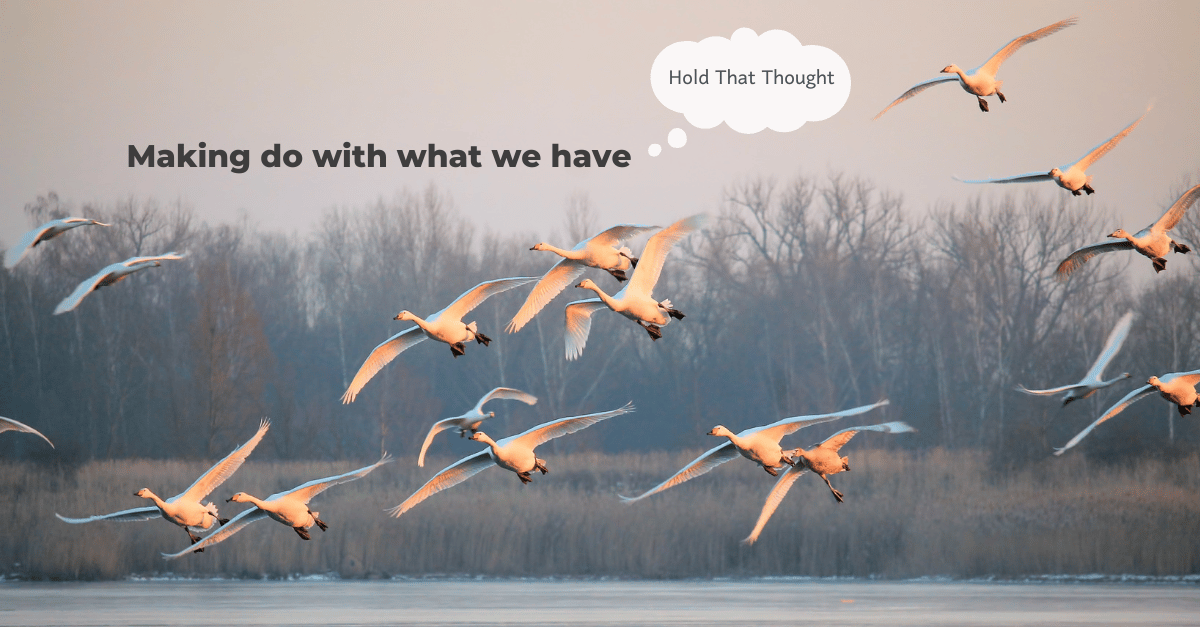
<point x="380" y="357"/>
<point x="1129" y="399"/>
<point x="645" y="275"/>
<point x="449" y="477"/>
<point x="1175" y="213"/>
<point x="562" y="274"/>
<point x="475" y="296"/>
<point x="992" y="65"/>
<point x="506" y="394"/>
<point x="235" y="524"/>
<point x="438" y="427"/>
<point x="1028" y="177"/>
<point x="711" y="459"/>
<point x="8" y="424"/>
<point x="916" y="89"/>
<point x="1103" y="148"/>
<point x="1190" y="378"/>
<point x="1112" y="346"/>
<point x="579" y="325"/>
<point x="1049" y="392"/>
<point x="557" y="428"/>
<point x="225" y="468"/>
<point x="304" y="493"/>
<point x="128" y="515"/>
<point x="777" y="430"/>
<point x="21" y="248"/>
<point x="83" y="289"/>
<point x="616" y="235"/>
<point x="1076" y="259"/>
<point x="774" y="498"/>
<point x="836" y="441"/>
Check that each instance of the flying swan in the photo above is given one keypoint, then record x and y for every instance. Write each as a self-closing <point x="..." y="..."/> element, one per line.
<point x="8" y="424"/>
<point x="515" y="453"/>
<point x="185" y="509"/>
<point x="109" y="275"/>
<point x="1177" y="387"/>
<point x="471" y="420"/>
<point x="1152" y="241"/>
<point x="823" y="460"/>
<point x="759" y="445"/>
<point x="444" y="326"/>
<point x="634" y="300"/>
<point x="1091" y="382"/>
<point x="981" y="81"/>
<point x="603" y="250"/>
<point x="44" y="233"/>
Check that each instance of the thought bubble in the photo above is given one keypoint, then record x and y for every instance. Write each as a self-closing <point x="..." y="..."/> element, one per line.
<point x="750" y="81"/>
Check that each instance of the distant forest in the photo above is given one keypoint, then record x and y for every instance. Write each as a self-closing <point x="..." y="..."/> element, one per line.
<point x="806" y="296"/>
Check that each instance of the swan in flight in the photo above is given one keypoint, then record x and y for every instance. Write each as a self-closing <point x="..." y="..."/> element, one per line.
<point x="185" y="509"/>
<point x="109" y="275"/>
<point x="8" y="424"/>
<point x="444" y="326"/>
<point x="634" y="300"/>
<point x="823" y="460"/>
<point x="471" y="420"/>
<point x="981" y="81"/>
<point x="1092" y="382"/>
<point x="759" y="445"/>
<point x="290" y="508"/>
<point x="1177" y="387"/>
<point x="515" y="453"/>
<point x="44" y="233"/>
<point x="1073" y="176"/>
<point x="603" y="250"/>
<point x="1152" y="241"/>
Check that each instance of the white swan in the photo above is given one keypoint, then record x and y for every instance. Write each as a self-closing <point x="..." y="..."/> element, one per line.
<point x="1091" y="382"/>
<point x="43" y="233"/>
<point x="111" y="273"/>
<point x="1152" y="241"/>
<point x="515" y="453"/>
<point x="634" y="301"/>
<point x="185" y="509"/>
<point x="471" y="420"/>
<point x="1073" y="176"/>
<point x="823" y="460"/>
<point x="981" y="81"/>
<point x="759" y="445"/>
<point x="603" y="250"/>
<point x="8" y="424"/>
<point x="444" y="326"/>
<point x="290" y="508"/>
<point x="1177" y="387"/>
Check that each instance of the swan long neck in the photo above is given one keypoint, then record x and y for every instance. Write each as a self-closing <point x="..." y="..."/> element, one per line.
<point x="420" y="322"/>
<point x="486" y="439"/>
<point x="608" y="300"/>
<point x="259" y="503"/>
<point x="154" y="497"/>
<point x="1114" y="380"/>
<point x="561" y="252"/>
<point x="961" y="75"/>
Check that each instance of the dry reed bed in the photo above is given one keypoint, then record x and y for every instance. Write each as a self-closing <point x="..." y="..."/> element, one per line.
<point x="905" y="515"/>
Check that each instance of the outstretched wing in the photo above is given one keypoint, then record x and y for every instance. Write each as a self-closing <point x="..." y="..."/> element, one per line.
<point x="305" y="493"/>
<point x="774" y="498"/>
<point x="1075" y="260"/>
<point x="579" y="325"/>
<point x="992" y="65"/>
<point x="1190" y="378"/>
<point x="557" y="428"/>
<point x="380" y="357"/>
<point x="449" y="477"/>
<point x="916" y="89"/>
<point x="8" y="424"/>
<point x="437" y="428"/>
<point x="235" y="525"/>
<point x="836" y="441"/>
<point x="1029" y="177"/>
<point x="562" y="274"/>
<point x="223" y="469"/>
<point x="506" y="394"/>
<point x="21" y="248"/>
<point x="1112" y="345"/>
<point x="1175" y="213"/>
<point x="1102" y="149"/>
<point x="83" y="289"/>
<point x="128" y="515"/>
<point x="777" y="430"/>
<point x="616" y="235"/>
<point x="475" y="296"/>
<point x="711" y="459"/>
<point x="645" y="275"/>
<point x="1129" y="399"/>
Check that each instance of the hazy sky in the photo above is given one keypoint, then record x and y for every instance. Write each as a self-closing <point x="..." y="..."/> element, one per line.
<point x="82" y="81"/>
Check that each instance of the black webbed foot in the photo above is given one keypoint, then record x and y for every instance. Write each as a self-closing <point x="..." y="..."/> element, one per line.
<point x="1160" y="264"/>
<point x="1076" y="192"/>
<point x="771" y="471"/>
<point x="1185" y="410"/>
<point x="633" y="261"/>
<point x="321" y="523"/>
<point x="540" y="464"/>
<point x="222" y="521"/>
<point x="983" y="105"/>
<point x="1181" y="248"/>
<point x="675" y="313"/>
<point x="1088" y="189"/>
<point x="482" y="339"/>
<point x="458" y="349"/>
<point x="654" y="330"/>
<point x="619" y="275"/>
<point x="524" y="477"/>
<point x="838" y="495"/>
<point x="1002" y="98"/>
<point x="302" y="532"/>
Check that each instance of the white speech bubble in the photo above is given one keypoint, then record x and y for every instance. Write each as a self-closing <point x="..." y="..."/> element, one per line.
<point x="750" y="81"/>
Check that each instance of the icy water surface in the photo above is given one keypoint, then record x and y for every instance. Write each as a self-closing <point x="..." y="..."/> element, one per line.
<point x="541" y="602"/>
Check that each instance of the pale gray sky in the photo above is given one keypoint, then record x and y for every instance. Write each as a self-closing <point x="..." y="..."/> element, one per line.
<point x="82" y="81"/>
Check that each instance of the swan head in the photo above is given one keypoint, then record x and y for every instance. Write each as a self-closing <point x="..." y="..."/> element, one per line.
<point x="1154" y="382"/>
<point x="491" y="414"/>
<point x="1068" y="399"/>
<point x="1054" y="172"/>
<point x="720" y="430"/>
<point x="539" y="246"/>
<point x="587" y="284"/>
<point x="951" y="69"/>
<point x="404" y="315"/>
<point x="144" y="493"/>
<point x="1120" y="233"/>
<point x="480" y="436"/>
<point x="240" y="497"/>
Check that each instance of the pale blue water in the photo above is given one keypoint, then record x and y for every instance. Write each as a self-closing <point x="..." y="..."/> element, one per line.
<point x="541" y="602"/>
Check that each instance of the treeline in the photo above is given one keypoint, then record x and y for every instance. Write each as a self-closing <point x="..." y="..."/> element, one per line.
<point x="805" y="297"/>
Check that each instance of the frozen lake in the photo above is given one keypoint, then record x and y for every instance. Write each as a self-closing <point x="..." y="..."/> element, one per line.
<point x="542" y="602"/>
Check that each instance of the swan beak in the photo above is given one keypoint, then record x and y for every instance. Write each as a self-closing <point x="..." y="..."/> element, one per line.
<point x="396" y="317"/>
<point x="534" y="247"/>
<point x="713" y="432"/>
<point x="135" y="493"/>
<point x="229" y="500"/>
<point x="580" y="284"/>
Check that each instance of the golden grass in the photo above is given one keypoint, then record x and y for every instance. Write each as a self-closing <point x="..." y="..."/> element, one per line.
<point x="905" y="515"/>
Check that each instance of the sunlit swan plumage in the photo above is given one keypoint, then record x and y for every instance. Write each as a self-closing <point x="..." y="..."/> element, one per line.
<point x="8" y="424"/>
<point x="110" y="275"/>
<point x="759" y="445"/>
<point x="515" y="453"/>
<point x="603" y="250"/>
<point x="634" y="301"/>
<point x="1152" y="241"/>
<point x="471" y="420"/>
<point x="44" y="233"/>
<point x="1091" y="382"/>
<point x="1073" y="176"/>
<point x="444" y="326"/>
<point x="1176" y="387"/>
<point x="981" y="81"/>
<point x="185" y="509"/>
<point x="290" y="508"/>
<point x="822" y="460"/>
